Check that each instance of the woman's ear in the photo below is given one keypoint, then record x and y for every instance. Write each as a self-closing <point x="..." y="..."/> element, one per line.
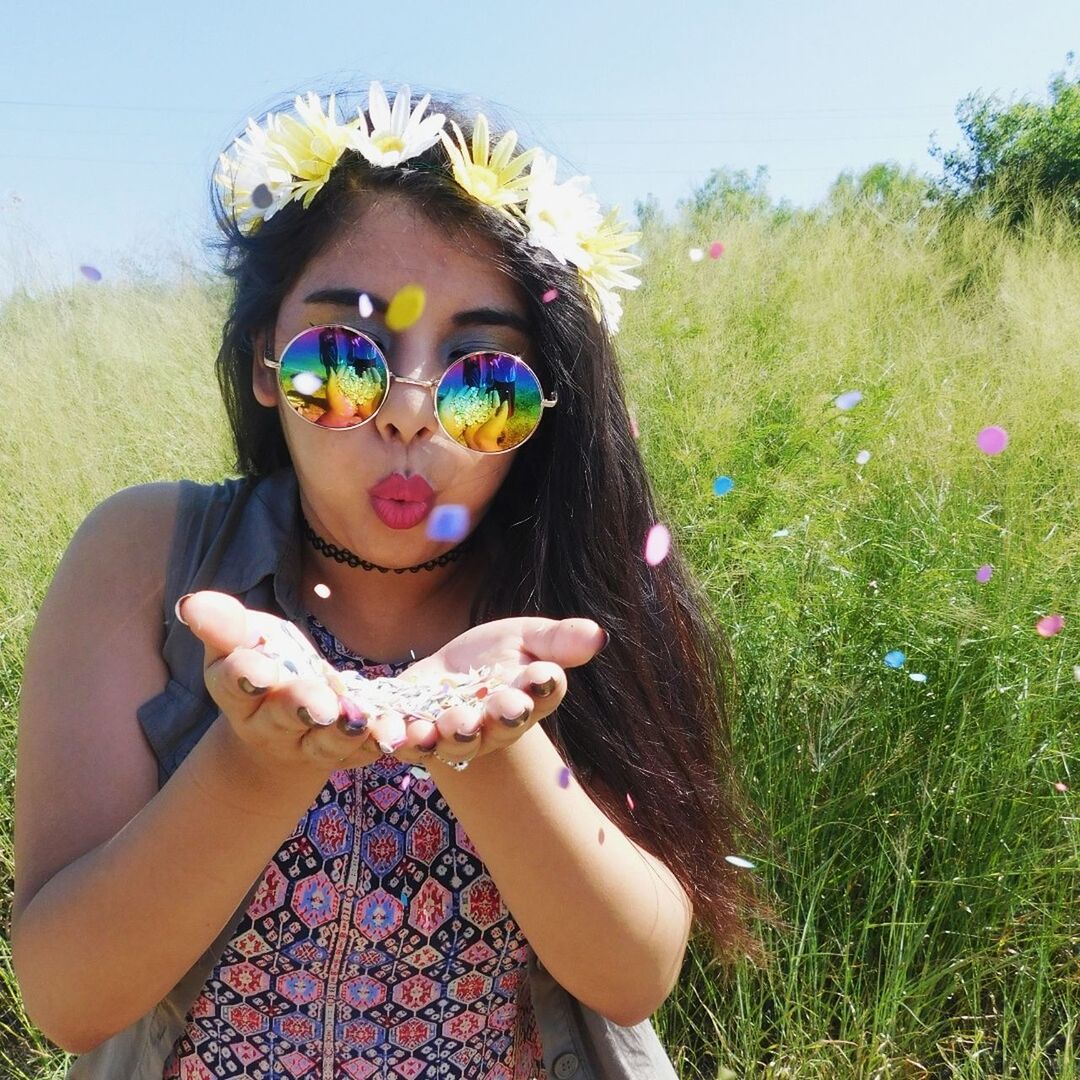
<point x="263" y="378"/>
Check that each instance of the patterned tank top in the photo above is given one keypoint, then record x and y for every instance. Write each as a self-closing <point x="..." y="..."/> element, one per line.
<point x="376" y="946"/>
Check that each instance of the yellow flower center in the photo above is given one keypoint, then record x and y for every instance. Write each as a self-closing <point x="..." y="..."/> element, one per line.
<point x="389" y="143"/>
<point x="483" y="182"/>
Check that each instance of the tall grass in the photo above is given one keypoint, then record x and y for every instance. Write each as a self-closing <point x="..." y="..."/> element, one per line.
<point x="924" y="861"/>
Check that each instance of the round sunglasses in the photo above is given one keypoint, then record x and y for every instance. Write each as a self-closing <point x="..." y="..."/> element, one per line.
<point x="337" y="377"/>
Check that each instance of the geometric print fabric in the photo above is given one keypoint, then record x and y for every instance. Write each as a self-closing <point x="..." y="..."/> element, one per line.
<point x="375" y="946"/>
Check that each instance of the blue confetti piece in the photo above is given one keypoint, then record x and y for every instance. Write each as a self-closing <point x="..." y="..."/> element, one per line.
<point x="448" y="522"/>
<point x="895" y="659"/>
<point x="722" y="485"/>
<point x="849" y="400"/>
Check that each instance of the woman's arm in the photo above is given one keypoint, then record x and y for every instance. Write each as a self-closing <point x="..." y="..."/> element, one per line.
<point x="606" y="918"/>
<point x="119" y="887"/>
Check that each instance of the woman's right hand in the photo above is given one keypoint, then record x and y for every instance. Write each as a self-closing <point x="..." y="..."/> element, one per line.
<point x="283" y="720"/>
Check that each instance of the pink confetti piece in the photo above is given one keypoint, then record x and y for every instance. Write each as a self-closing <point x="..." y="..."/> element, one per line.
<point x="657" y="544"/>
<point x="1059" y="786"/>
<point x="322" y="590"/>
<point x="551" y="294"/>
<point x="716" y="249"/>
<point x="634" y="428"/>
<point x="984" y="573"/>
<point x="91" y="273"/>
<point x="630" y="800"/>
<point x="564" y="777"/>
<point x="405" y="781"/>
<point x="992" y="440"/>
<point x="1049" y="625"/>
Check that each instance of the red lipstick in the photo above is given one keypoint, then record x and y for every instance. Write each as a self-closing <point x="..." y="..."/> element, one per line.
<point x="402" y="503"/>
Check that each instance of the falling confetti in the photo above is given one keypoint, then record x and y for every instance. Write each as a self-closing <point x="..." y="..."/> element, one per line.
<point x="696" y="254"/>
<point x="630" y="800"/>
<point x="261" y="197"/>
<point x="1076" y="672"/>
<point x="448" y="522"/>
<point x="91" y="273"/>
<point x="366" y="306"/>
<point x="849" y="400"/>
<point x="984" y="573"/>
<point x="634" y="428"/>
<point x="323" y="591"/>
<point x="716" y="249"/>
<point x="992" y="440"/>
<point x="895" y="659"/>
<point x="405" y="780"/>
<point x="739" y="861"/>
<point x="420" y="772"/>
<point x="782" y="532"/>
<point x="1059" y="786"/>
<point x="1049" y="625"/>
<point x="405" y="308"/>
<point x="917" y="676"/>
<point x="551" y="294"/>
<point x="862" y="457"/>
<point x="564" y="777"/>
<point x="657" y="544"/>
<point x="722" y="485"/>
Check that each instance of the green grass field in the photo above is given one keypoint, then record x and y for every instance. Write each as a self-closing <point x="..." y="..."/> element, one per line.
<point x="926" y="865"/>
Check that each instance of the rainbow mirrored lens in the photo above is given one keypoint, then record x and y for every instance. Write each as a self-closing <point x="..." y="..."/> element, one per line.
<point x="333" y="376"/>
<point x="489" y="401"/>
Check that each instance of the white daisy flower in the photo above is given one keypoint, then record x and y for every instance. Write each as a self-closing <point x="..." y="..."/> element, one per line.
<point x="560" y="216"/>
<point x="395" y="135"/>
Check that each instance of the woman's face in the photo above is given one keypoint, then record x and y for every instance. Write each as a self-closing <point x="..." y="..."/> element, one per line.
<point x="469" y="305"/>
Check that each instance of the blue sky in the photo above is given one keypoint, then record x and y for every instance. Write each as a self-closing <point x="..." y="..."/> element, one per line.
<point x="112" y="114"/>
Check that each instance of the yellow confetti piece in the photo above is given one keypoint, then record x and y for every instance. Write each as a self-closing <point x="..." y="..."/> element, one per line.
<point x="405" y="308"/>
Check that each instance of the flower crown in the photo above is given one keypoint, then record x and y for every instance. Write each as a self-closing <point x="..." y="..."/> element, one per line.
<point x="289" y="158"/>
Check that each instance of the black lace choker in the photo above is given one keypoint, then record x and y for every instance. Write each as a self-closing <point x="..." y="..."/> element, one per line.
<point x="343" y="555"/>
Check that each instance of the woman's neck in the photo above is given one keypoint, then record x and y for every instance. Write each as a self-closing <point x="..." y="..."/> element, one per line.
<point x="388" y="617"/>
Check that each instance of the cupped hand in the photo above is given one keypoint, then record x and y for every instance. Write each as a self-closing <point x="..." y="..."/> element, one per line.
<point x="532" y="655"/>
<point x="285" y="714"/>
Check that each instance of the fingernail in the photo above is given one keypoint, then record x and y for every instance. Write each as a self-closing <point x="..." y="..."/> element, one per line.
<point x="312" y="721"/>
<point x="354" y="720"/>
<point x="176" y="609"/>
<point x="516" y="721"/>
<point x="604" y="643"/>
<point x="249" y="687"/>
<point x="542" y="689"/>
<point x="395" y="737"/>
<point x="467" y="736"/>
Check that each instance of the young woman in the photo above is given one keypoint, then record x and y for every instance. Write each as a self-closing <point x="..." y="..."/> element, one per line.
<point x="392" y="756"/>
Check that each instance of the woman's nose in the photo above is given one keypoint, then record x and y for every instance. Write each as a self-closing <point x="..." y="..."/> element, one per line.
<point x="407" y="412"/>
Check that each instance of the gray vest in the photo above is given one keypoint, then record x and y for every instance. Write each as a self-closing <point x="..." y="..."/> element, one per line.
<point x="242" y="537"/>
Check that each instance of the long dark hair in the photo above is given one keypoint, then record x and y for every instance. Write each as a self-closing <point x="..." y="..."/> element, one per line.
<point x="648" y="717"/>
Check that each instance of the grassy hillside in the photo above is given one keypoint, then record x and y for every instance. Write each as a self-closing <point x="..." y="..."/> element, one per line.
<point x="924" y="860"/>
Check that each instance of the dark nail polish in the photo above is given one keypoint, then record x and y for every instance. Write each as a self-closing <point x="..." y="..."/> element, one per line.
<point x="352" y="727"/>
<point x="516" y="721"/>
<point x="249" y="687"/>
<point x="310" y="720"/>
<point x="604" y="644"/>
<point x="467" y="736"/>
<point x="542" y="689"/>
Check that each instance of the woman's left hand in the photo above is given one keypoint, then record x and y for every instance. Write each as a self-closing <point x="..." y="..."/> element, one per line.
<point x="533" y="654"/>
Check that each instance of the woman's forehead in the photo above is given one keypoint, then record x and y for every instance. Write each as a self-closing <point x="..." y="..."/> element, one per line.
<point x="392" y="244"/>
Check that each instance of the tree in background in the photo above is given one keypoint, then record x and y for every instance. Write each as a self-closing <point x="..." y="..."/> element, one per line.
<point x="1016" y="155"/>
<point x="894" y="194"/>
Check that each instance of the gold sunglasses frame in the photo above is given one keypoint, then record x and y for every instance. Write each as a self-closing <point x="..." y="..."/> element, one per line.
<point x="430" y="384"/>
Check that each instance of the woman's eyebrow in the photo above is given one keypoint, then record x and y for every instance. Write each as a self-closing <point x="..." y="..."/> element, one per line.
<point x="492" y="317"/>
<point x="346" y="298"/>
